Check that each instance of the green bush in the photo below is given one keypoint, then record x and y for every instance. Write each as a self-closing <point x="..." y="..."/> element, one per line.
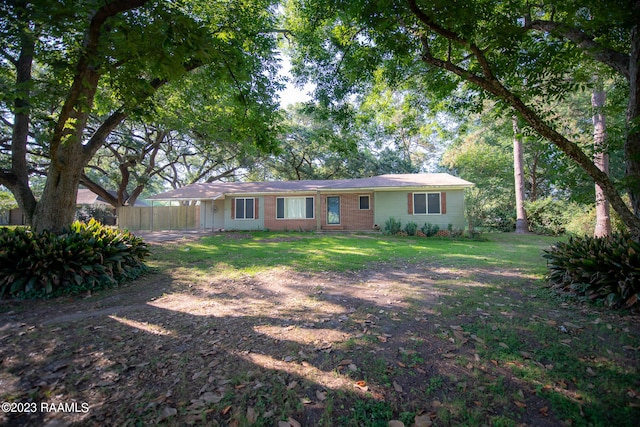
<point x="85" y="257"/>
<point x="411" y="228"/>
<point x="501" y="218"/>
<point x="429" y="229"/>
<point x="554" y="217"/>
<point x="583" y="223"/>
<point x="392" y="226"/>
<point x="600" y="269"/>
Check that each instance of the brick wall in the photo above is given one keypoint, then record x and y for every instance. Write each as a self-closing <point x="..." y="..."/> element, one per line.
<point x="271" y="223"/>
<point x="351" y="216"/>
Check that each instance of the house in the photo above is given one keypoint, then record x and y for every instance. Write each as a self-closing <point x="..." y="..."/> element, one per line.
<point x="346" y="204"/>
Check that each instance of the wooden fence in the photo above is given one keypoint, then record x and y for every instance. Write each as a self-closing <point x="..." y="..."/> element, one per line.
<point x="157" y="218"/>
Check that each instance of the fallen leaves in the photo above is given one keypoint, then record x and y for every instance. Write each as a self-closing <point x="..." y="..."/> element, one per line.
<point x="166" y="413"/>
<point x="362" y="385"/>
<point x="210" y="397"/>
<point x="421" y="420"/>
<point x="291" y="422"/>
<point x="424" y="420"/>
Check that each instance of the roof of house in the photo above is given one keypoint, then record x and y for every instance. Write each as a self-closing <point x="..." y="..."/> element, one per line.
<point x="203" y="191"/>
<point x="88" y="197"/>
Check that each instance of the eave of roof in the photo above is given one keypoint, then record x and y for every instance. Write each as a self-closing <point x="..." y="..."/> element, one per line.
<point x="208" y="191"/>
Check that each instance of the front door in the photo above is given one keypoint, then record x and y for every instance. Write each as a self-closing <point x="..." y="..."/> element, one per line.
<point x="333" y="210"/>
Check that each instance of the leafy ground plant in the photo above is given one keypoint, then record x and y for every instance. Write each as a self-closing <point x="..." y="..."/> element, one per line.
<point x="86" y="257"/>
<point x="286" y="329"/>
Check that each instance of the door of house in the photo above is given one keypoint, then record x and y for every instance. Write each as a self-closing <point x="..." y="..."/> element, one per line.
<point x="333" y="210"/>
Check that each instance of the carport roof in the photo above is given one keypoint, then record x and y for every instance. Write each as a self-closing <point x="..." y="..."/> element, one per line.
<point x="214" y="190"/>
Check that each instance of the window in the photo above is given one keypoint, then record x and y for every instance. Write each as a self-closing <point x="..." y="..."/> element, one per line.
<point x="333" y="210"/>
<point x="426" y="203"/>
<point x="433" y="203"/>
<point x="294" y="208"/>
<point x="364" y="203"/>
<point x="245" y="208"/>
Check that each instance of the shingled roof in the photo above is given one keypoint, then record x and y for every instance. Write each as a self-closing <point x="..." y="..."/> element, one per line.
<point x="214" y="190"/>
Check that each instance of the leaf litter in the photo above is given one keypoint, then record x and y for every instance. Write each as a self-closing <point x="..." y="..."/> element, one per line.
<point x="263" y="350"/>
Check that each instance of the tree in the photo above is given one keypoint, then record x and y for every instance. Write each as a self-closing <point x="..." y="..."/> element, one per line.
<point x="199" y="130"/>
<point x="601" y="159"/>
<point x="63" y="55"/>
<point x="518" y="165"/>
<point x="316" y="144"/>
<point x="482" y="155"/>
<point x="7" y="202"/>
<point x="511" y="52"/>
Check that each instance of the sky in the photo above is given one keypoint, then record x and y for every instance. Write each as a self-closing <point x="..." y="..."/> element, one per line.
<point x="292" y="94"/>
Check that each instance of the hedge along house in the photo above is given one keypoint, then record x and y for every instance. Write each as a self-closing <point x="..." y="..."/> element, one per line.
<point x="347" y="204"/>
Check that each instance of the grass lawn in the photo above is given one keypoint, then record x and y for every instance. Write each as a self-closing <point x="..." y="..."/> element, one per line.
<point x="276" y="329"/>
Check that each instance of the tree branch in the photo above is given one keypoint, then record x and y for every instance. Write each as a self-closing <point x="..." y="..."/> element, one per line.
<point x="74" y="113"/>
<point x="614" y="59"/>
<point x="99" y="190"/>
<point x="490" y="84"/>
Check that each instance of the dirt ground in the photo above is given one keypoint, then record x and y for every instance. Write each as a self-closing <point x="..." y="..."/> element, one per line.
<point x="275" y="349"/>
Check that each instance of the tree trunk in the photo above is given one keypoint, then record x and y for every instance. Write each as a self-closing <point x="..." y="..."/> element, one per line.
<point x="57" y="206"/>
<point x="17" y="179"/>
<point x="522" y="225"/>
<point x="632" y="143"/>
<point x="601" y="160"/>
<point x="533" y="194"/>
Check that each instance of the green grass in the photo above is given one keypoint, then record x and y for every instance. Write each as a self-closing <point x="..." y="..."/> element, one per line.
<point x="260" y="251"/>
<point x="515" y="335"/>
<point x="521" y="344"/>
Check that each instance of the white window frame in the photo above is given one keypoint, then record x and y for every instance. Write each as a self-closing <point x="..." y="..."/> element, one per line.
<point x="368" y="202"/>
<point x="253" y="204"/>
<point x="305" y="198"/>
<point x="426" y="196"/>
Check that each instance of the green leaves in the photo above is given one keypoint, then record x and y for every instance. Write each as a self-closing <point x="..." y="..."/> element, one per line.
<point x="86" y="257"/>
<point x="600" y="269"/>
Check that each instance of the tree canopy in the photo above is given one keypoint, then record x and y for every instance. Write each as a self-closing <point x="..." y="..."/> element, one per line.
<point x="459" y="53"/>
<point x="70" y="63"/>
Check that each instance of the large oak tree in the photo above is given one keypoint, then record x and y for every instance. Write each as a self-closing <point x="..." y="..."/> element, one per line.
<point x="63" y="62"/>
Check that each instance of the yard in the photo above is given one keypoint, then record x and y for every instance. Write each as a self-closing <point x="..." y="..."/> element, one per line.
<point x="288" y="329"/>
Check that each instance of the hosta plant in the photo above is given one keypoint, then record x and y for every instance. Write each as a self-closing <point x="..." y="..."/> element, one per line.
<point x="86" y="257"/>
<point x="601" y="269"/>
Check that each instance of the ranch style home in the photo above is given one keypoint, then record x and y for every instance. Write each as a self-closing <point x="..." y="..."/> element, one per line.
<point x="346" y="204"/>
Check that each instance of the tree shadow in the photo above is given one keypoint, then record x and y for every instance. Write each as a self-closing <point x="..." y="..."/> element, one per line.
<point x="332" y="350"/>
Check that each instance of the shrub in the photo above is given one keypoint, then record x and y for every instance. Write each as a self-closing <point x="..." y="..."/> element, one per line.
<point x="500" y="218"/>
<point x="429" y="229"/>
<point x="601" y="269"/>
<point x="100" y="213"/>
<point x="392" y="226"/>
<point x="411" y="228"/>
<point x="554" y="217"/>
<point x="85" y="257"/>
<point x="582" y="223"/>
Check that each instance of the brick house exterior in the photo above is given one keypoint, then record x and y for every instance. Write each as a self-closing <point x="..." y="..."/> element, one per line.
<point x="350" y="205"/>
